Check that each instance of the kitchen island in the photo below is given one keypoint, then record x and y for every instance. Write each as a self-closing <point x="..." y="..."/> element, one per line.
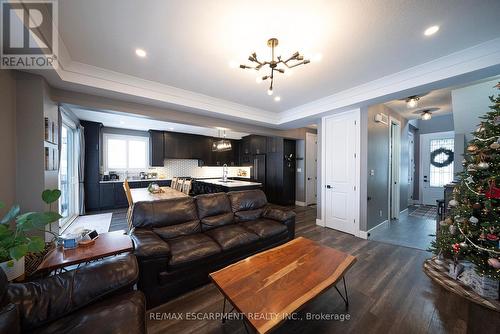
<point x="207" y="186"/>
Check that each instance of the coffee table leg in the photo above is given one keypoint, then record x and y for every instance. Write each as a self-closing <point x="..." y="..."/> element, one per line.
<point x="346" y="298"/>
<point x="224" y="311"/>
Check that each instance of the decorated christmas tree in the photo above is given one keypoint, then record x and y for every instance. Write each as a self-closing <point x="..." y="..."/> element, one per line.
<point x="472" y="230"/>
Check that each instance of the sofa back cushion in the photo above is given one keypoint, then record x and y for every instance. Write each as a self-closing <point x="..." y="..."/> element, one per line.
<point x="214" y="210"/>
<point x="168" y="218"/>
<point x="247" y="204"/>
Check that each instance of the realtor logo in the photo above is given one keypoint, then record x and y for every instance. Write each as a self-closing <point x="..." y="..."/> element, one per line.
<point x="28" y="37"/>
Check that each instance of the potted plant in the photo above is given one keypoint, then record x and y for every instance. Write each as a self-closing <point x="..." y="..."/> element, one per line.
<point x="15" y="239"/>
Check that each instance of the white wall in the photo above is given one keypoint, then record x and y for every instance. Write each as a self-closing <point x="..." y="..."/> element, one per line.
<point x="469" y="103"/>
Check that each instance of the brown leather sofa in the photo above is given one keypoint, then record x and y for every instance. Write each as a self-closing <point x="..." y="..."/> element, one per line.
<point x="178" y="242"/>
<point x="96" y="298"/>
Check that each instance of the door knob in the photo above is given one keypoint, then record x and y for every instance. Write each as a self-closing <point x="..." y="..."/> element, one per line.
<point x="328" y="186"/>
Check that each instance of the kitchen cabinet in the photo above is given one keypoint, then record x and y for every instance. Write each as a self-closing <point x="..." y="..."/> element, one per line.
<point x="107" y="196"/>
<point x="92" y="134"/>
<point x="120" y="196"/>
<point x="230" y="158"/>
<point x="258" y="144"/>
<point x="156" y="148"/>
<point x="274" y="144"/>
<point x="280" y="171"/>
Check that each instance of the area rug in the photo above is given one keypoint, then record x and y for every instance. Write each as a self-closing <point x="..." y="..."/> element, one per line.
<point x="99" y="222"/>
<point x="425" y="212"/>
<point x="437" y="271"/>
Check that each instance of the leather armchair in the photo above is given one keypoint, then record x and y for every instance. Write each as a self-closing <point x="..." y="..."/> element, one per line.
<point x="95" y="298"/>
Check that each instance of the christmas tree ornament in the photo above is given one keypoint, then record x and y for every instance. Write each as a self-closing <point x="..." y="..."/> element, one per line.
<point x="482" y="236"/>
<point x="471" y="168"/>
<point x="464" y="245"/>
<point x="464" y="162"/>
<point x="476" y="205"/>
<point x="448" y="221"/>
<point x="483" y="165"/>
<point x="442" y="223"/>
<point x="472" y="148"/>
<point x="493" y="192"/>
<point x="492" y="237"/>
<point x="480" y="128"/>
<point x="453" y="229"/>
<point x="473" y="220"/>
<point x="495" y="263"/>
<point x="469" y="180"/>
<point x="496" y="120"/>
<point x="495" y="145"/>
<point x="453" y="203"/>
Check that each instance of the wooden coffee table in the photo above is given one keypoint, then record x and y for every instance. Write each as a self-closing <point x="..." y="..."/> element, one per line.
<point x="269" y="286"/>
<point x="107" y="244"/>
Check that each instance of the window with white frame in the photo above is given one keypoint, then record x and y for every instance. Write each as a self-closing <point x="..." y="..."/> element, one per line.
<point x="122" y="152"/>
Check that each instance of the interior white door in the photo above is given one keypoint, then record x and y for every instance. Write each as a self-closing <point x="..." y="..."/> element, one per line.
<point x="411" y="165"/>
<point x="432" y="178"/>
<point x="311" y="168"/>
<point x="340" y="172"/>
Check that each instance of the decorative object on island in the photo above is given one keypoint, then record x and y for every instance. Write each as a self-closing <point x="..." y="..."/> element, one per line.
<point x="15" y="240"/>
<point x="294" y="60"/>
<point x="475" y="210"/>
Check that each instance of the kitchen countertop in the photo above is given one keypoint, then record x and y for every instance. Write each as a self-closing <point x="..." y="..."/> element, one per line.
<point x="230" y="183"/>
<point x="133" y="180"/>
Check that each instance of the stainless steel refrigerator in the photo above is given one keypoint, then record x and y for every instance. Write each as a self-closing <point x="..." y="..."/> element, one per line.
<point x="259" y="169"/>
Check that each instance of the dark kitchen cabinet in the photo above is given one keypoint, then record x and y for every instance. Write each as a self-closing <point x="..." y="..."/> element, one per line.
<point x="92" y="134"/>
<point x="258" y="144"/>
<point x="107" y="195"/>
<point x="156" y="148"/>
<point x="230" y="158"/>
<point x="120" y="197"/>
<point x="274" y="144"/>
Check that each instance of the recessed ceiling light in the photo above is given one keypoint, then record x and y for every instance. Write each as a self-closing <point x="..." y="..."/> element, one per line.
<point x="140" y="52"/>
<point x="277" y="98"/>
<point x="431" y="30"/>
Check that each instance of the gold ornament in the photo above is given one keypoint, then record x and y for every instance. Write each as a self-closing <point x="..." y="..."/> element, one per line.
<point x="472" y="148"/>
<point x="483" y="165"/>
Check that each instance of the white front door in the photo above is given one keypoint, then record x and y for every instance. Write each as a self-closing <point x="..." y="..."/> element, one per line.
<point x="433" y="175"/>
<point x="340" y="172"/>
<point x="311" y="167"/>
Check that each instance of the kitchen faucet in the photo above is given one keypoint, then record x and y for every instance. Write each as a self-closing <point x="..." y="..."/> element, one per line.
<point x="224" y="172"/>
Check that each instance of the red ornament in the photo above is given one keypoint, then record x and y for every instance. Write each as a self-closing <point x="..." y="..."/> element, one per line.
<point x="493" y="192"/>
<point x="492" y="237"/>
<point x="456" y="248"/>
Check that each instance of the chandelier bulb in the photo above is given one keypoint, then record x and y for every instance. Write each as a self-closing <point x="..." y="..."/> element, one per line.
<point x="269" y="92"/>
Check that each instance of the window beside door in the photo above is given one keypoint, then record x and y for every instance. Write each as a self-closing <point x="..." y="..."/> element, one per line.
<point x="440" y="176"/>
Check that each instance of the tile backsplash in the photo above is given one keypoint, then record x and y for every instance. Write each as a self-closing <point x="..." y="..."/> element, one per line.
<point x="190" y="168"/>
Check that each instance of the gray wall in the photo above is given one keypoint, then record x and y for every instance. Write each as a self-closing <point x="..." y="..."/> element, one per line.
<point x="300" y="177"/>
<point x="436" y="124"/>
<point x="377" y="157"/>
<point x="8" y="138"/>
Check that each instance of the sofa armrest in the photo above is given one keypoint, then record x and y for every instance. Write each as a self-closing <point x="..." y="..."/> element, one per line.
<point x="47" y="299"/>
<point x="148" y="244"/>
<point x="285" y="217"/>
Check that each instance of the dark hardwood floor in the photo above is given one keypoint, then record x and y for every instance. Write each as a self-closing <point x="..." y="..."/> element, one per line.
<point x="388" y="293"/>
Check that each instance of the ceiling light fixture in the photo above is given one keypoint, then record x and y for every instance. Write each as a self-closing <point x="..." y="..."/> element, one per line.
<point x="277" y="98"/>
<point x="223" y="144"/>
<point x="141" y="53"/>
<point x="294" y="60"/>
<point x="426" y="115"/>
<point x="412" y="101"/>
<point x="431" y="30"/>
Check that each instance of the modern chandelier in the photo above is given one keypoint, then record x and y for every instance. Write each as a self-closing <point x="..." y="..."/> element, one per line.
<point x="294" y="60"/>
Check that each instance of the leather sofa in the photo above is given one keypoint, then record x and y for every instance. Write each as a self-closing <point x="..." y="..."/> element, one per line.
<point x="178" y="242"/>
<point x="96" y="298"/>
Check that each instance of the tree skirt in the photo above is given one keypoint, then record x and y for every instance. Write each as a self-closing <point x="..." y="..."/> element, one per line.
<point x="439" y="273"/>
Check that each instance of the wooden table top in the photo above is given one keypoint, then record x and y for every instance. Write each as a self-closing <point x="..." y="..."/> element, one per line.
<point x="273" y="284"/>
<point x="143" y="195"/>
<point x="107" y="244"/>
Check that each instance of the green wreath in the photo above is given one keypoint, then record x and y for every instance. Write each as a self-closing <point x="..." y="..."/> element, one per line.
<point x="446" y="162"/>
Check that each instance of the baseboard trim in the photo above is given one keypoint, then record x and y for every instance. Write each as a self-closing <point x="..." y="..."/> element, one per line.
<point x="362" y="234"/>
<point x="320" y="222"/>
<point x="374" y="227"/>
<point x="404" y="210"/>
<point x="299" y="203"/>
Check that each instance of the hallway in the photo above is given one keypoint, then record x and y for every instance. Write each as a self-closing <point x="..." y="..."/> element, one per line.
<point x="412" y="229"/>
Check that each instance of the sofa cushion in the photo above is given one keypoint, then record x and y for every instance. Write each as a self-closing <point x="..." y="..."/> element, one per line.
<point x="118" y="314"/>
<point x="247" y="200"/>
<point x="164" y="213"/>
<point x="191" y="248"/>
<point x="231" y="236"/>
<point x="243" y="216"/>
<point x="173" y="231"/>
<point x="208" y="223"/>
<point x="212" y="204"/>
<point x="265" y="228"/>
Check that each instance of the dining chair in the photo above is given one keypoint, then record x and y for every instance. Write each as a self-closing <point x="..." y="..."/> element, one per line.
<point x="180" y="184"/>
<point x="186" y="188"/>
<point x="173" y="184"/>
<point x="128" y="194"/>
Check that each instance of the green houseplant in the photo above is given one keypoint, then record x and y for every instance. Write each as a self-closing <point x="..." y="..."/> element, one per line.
<point x="16" y="240"/>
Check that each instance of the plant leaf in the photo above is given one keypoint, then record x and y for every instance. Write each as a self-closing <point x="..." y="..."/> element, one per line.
<point x="50" y="196"/>
<point x="36" y="245"/>
<point x="13" y="212"/>
<point x="18" y="251"/>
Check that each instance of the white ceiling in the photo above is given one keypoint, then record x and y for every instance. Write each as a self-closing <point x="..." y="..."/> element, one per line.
<point x="131" y="122"/>
<point x="370" y="48"/>
<point x="439" y="99"/>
